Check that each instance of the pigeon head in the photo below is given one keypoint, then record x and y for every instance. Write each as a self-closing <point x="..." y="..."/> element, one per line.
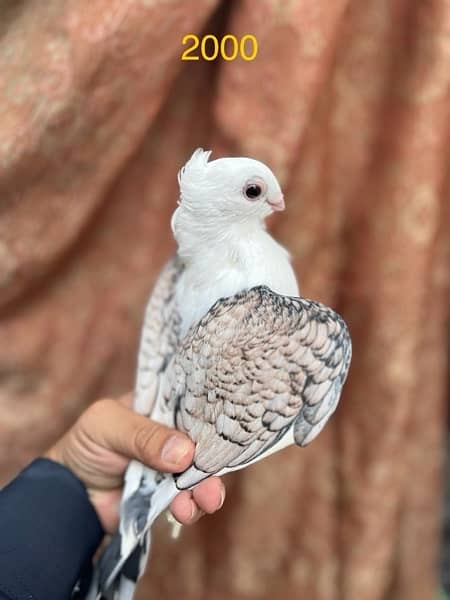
<point x="228" y="189"/>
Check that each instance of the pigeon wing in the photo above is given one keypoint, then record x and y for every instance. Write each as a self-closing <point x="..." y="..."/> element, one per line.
<point x="159" y="337"/>
<point x="257" y="366"/>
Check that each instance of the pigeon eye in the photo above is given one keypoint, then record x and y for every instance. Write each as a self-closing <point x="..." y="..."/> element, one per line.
<point x="253" y="190"/>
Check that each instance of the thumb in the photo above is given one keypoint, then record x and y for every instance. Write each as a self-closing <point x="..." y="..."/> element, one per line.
<point x="123" y="431"/>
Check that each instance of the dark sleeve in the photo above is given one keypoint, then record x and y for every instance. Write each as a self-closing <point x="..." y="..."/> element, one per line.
<point x="49" y="531"/>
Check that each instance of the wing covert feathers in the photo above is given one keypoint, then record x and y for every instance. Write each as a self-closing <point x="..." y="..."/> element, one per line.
<point x="255" y="365"/>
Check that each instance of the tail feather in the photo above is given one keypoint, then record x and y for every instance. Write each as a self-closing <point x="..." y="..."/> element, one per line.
<point x="124" y="559"/>
<point x="126" y="588"/>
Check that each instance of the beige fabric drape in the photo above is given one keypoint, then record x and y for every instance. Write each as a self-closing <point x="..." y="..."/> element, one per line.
<point x="349" y="103"/>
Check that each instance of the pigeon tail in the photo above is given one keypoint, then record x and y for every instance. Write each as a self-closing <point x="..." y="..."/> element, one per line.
<point x="124" y="559"/>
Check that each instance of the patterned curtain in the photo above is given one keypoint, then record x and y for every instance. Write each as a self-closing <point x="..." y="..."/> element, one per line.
<point x="349" y="103"/>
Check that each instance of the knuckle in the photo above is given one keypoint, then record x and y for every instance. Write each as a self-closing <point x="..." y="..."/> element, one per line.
<point x="99" y="407"/>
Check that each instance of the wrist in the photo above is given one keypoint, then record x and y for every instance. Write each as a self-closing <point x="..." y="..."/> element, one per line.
<point x="54" y="453"/>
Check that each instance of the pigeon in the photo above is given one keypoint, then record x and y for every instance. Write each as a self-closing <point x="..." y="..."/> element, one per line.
<point x="230" y="353"/>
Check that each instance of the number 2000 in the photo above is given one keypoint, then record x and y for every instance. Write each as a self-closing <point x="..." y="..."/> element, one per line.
<point x="229" y="47"/>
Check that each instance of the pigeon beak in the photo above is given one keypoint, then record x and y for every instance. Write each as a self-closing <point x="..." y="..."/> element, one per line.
<point x="277" y="204"/>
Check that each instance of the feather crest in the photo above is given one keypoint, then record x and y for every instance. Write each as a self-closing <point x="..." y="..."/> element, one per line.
<point x="188" y="176"/>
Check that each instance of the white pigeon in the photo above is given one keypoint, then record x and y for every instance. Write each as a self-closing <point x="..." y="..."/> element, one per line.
<point x="229" y="353"/>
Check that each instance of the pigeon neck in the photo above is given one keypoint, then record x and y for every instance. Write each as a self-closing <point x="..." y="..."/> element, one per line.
<point x="220" y="240"/>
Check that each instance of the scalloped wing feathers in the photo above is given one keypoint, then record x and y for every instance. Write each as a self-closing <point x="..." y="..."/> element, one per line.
<point x="257" y="365"/>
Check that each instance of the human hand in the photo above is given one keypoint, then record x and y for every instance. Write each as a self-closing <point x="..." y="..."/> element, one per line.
<point x="98" y="448"/>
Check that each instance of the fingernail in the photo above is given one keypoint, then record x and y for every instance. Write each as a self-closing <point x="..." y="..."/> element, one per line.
<point x="196" y="514"/>
<point x="176" y="449"/>
<point x="222" y="497"/>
